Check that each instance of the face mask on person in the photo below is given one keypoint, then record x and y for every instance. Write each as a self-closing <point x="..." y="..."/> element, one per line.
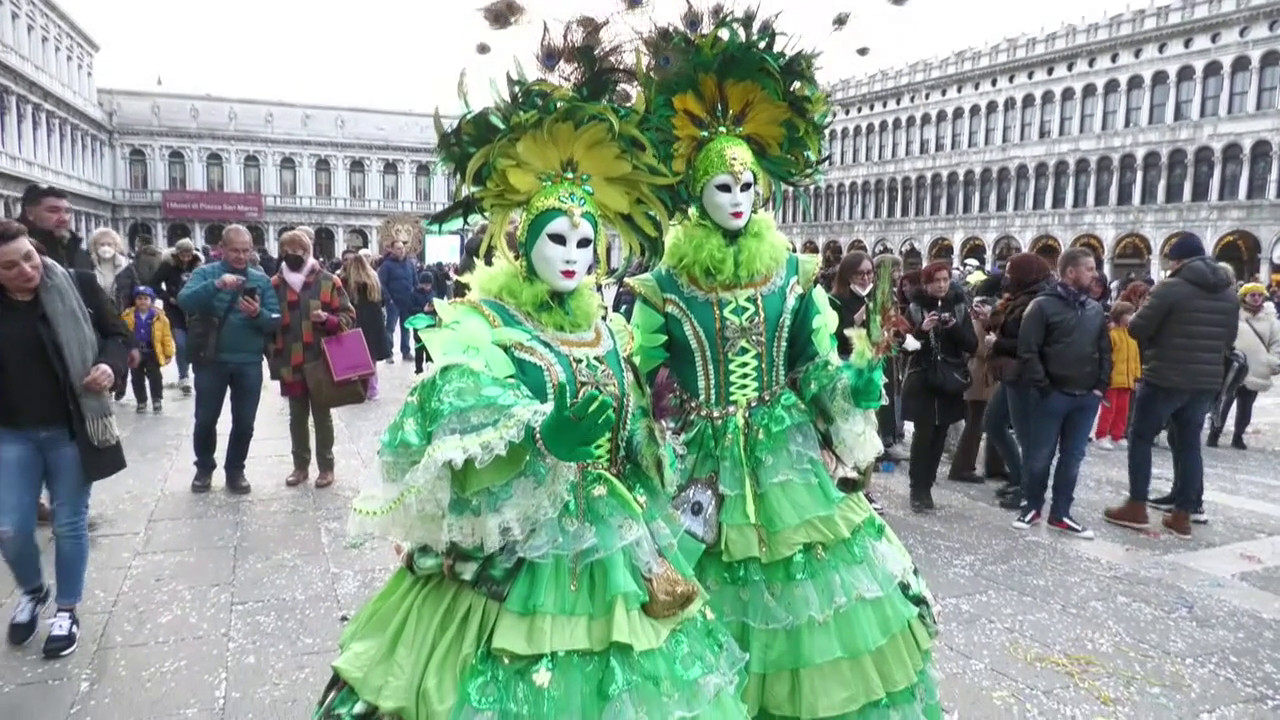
<point x="295" y="263"/>
<point x="106" y="252"/>
<point x="729" y="200"/>
<point x="563" y="253"/>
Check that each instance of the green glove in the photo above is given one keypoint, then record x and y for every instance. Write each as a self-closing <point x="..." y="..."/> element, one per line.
<point x="572" y="429"/>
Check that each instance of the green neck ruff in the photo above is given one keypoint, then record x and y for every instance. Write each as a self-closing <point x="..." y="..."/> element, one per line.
<point x="507" y="283"/>
<point x="707" y="255"/>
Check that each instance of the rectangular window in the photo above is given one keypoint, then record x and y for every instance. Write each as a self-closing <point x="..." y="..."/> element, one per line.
<point x="288" y="181"/>
<point x="1238" y="102"/>
<point x="1088" y="110"/>
<point x="1186" y="100"/>
<point x="897" y="141"/>
<point x="1133" y="107"/>
<point x="1047" y="111"/>
<point x="1067" y="125"/>
<point x="957" y="132"/>
<point x="1268" y="87"/>
<point x="422" y="187"/>
<point x="1159" y="104"/>
<point x="357" y="186"/>
<point x="253" y="179"/>
<point x="975" y="130"/>
<point x="993" y="128"/>
<point x="1212" y="96"/>
<point x="1010" y="125"/>
<point x="1028" y="122"/>
<point x="912" y="131"/>
<point x="942" y="136"/>
<point x="1110" y="110"/>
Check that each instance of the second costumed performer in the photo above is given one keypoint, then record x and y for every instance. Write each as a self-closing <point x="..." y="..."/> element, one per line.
<point x="524" y="476"/>
<point x="810" y="581"/>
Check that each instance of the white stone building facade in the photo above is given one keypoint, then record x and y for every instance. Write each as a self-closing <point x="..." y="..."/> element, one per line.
<point x="51" y="128"/>
<point x="341" y="171"/>
<point x="117" y="153"/>
<point x="1118" y="136"/>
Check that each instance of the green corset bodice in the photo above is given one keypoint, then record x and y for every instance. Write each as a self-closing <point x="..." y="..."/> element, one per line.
<point x="729" y="349"/>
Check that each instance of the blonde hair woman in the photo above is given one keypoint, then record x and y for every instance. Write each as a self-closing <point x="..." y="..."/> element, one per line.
<point x="109" y="258"/>
<point x="313" y="304"/>
<point x="365" y="291"/>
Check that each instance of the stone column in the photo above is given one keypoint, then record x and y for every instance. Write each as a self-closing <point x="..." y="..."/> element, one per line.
<point x="1251" y="102"/>
<point x="1273" y="193"/>
<point x="1216" y="181"/>
<point x="12" y="126"/>
<point x="1160" y="185"/>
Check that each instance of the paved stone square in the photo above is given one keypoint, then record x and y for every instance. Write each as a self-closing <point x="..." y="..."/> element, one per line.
<point x="229" y="607"/>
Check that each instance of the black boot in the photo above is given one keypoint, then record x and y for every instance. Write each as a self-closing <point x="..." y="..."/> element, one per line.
<point x="1212" y="440"/>
<point x="1237" y="442"/>
<point x="921" y="500"/>
<point x="1013" y="500"/>
<point x="238" y="484"/>
<point x="202" y="481"/>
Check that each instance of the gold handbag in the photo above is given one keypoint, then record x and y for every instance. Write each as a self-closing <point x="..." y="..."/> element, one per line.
<point x="670" y="593"/>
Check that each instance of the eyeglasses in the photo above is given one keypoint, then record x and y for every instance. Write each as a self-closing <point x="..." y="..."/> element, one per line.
<point x="863" y="273"/>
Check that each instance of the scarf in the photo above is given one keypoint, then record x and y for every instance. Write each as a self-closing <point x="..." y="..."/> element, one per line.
<point x="78" y="344"/>
<point x="1072" y="295"/>
<point x="297" y="279"/>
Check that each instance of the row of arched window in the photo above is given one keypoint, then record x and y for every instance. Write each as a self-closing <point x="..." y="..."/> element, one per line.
<point x="215" y="176"/>
<point x="1132" y="103"/>
<point x="1151" y="179"/>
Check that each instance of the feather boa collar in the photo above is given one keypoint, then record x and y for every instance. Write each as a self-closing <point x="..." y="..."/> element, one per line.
<point x="507" y="283"/>
<point x="701" y="252"/>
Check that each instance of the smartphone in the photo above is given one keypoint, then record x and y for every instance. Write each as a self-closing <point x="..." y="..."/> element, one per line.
<point x="250" y="293"/>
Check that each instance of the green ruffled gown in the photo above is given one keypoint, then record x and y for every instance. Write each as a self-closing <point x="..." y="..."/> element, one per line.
<point x="535" y="607"/>
<point x="810" y="581"/>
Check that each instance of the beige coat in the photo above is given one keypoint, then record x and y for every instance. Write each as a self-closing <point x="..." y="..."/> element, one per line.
<point x="983" y="386"/>
<point x="1263" y="352"/>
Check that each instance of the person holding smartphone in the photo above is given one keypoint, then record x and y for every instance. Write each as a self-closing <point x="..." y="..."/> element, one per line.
<point x="241" y="300"/>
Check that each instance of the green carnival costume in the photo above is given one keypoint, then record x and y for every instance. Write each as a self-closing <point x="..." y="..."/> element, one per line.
<point x="811" y="582"/>
<point x="525" y="474"/>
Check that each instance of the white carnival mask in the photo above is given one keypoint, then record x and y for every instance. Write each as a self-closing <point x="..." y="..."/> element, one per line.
<point x="729" y="200"/>
<point x="562" y="254"/>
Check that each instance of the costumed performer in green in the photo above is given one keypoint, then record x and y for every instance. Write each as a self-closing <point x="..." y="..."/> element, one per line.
<point x="523" y="477"/>
<point x="811" y="582"/>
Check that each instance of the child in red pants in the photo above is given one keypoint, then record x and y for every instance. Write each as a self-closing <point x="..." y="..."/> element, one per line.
<point x="1126" y="369"/>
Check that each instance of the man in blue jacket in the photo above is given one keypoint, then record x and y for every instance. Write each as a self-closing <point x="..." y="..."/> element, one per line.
<point x="399" y="276"/>
<point x="244" y="301"/>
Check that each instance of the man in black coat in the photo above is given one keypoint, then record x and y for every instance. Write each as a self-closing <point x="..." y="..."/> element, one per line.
<point x="1064" y="355"/>
<point x="1185" y="330"/>
<point x="46" y="212"/>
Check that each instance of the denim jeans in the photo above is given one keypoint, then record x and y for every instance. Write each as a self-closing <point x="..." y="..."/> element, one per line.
<point x="1062" y="425"/>
<point x="394" y="320"/>
<point x="180" y="357"/>
<point x="1022" y="399"/>
<point x="998" y="426"/>
<point x="1184" y="412"/>
<point x="29" y="461"/>
<point x="213" y="381"/>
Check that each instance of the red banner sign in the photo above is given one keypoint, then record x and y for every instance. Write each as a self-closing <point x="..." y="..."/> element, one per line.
<point x="195" y="205"/>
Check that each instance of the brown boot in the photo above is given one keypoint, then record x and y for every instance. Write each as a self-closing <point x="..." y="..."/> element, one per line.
<point x="296" y="478"/>
<point x="325" y="479"/>
<point x="1179" y="523"/>
<point x="1132" y="515"/>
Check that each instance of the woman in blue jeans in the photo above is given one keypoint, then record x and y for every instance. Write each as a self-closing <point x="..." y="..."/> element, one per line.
<point x="1008" y="412"/>
<point x="61" y="349"/>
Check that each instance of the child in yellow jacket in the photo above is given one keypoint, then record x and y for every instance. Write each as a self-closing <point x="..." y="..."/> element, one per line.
<point x="1126" y="370"/>
<point x="154" y="338"/>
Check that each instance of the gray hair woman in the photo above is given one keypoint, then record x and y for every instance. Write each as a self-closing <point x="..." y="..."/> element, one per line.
<point x="64" y="347"/>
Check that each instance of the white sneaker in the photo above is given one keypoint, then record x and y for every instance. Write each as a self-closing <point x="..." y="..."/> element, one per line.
<point x="1104" y="444"/>
<point x="1122" y="444"/>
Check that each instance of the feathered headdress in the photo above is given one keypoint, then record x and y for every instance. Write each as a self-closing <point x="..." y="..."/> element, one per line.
<point x="725" y="94"/>
<point x="571" y="145"/>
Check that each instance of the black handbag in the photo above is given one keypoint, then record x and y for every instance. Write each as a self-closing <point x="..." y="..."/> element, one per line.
<point x="203" y="332"/>
<point x="945" y="375"/>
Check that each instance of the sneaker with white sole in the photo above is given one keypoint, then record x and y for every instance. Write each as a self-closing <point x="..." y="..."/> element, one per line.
<point x="1199" y="516"/>
<point x="1122" y="444"/>
<point x="1027" y="518"/>
<point x="1104" y="444"/>
<point x="26" y="615"/>
<point x="64" y="634"/>
<point x="1068" y="525"/>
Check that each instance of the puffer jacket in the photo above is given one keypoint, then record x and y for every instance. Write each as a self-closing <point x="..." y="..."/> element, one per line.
<point x="1063" y="344"/>
<point x="1258" y="338"/>
<point x="1187" y="326"/>
<point x="1126" y="360"/>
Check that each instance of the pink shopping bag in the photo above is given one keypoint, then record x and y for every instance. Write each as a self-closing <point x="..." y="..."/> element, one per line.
<point x="348" y="356"/>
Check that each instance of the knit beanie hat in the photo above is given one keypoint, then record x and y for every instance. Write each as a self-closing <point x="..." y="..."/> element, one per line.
<point x="1250" y="288"/>
<point x="1186" y="247"/>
